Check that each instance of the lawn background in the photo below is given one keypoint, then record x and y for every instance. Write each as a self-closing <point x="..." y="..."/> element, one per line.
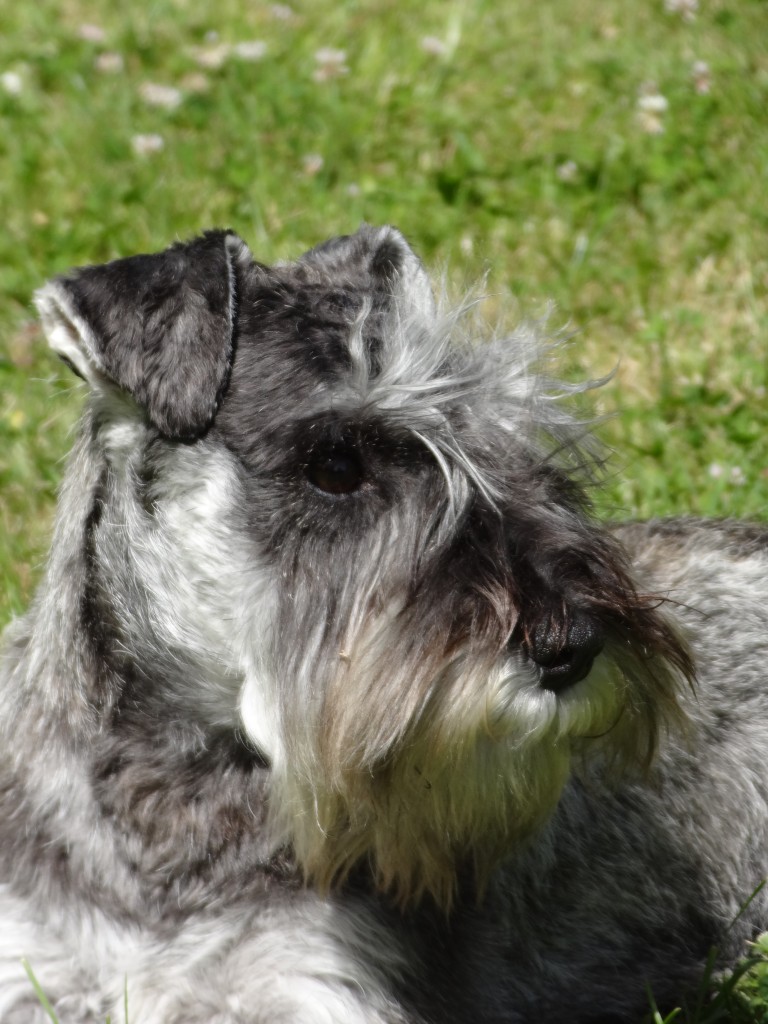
<point x="606" y="155"/>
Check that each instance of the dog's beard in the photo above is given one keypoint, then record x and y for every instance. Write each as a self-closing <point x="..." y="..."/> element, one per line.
<point x="412" y="735"/>
<point x="427" y="765"/>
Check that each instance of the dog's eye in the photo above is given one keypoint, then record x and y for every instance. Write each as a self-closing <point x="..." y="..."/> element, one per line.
<point x="338" y="471"/>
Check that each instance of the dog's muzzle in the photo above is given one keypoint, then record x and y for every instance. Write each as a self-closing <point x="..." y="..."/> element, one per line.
<point x="562" y="662"/>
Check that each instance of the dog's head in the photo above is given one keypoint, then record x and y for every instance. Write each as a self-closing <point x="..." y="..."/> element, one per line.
<point x="339" y="520"/>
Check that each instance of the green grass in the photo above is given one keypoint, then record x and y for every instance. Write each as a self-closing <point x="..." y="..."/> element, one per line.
<point x="39" y="992"/>
<point x="517" y="150"/>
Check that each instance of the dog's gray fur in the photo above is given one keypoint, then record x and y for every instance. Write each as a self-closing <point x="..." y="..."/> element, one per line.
<point x="335" y="704"/>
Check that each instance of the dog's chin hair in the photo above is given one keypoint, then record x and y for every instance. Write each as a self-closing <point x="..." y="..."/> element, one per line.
<point x="378" y="784"/>
<point x="410" y="822"/>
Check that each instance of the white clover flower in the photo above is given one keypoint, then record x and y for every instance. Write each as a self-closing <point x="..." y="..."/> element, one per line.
<point x="567" y="171"/>
<point x="254" y="50"/>
<point x="109" y="63"/>
<point x="165" y="96"/>
<point x="143" y="145"/>
<point x="282" y="12"/>
<point x="653" y="103"/>
<point x="737" y="476"/>
<point x="12" y="83"/>
<point x="195" y="81"/>
<point x="434" y="46"/>
<point x="651" y="124"/>
<point x="312" y="164"/>
<point x="685" y="8"/>
<point x="715" y="470"/>
<point x="327" y="55"/>
<point x="651" y="107"/>
<point x="702" y="79"/>
<point x="92" y="33"/>
<point x="212" y="57"/>
<point x="330" y="64"/>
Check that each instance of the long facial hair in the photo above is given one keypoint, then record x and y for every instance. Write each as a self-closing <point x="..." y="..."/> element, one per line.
<point x="417" y="736"/>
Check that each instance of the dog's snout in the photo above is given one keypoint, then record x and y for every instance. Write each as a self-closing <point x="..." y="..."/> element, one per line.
<point x="564" y="661"/>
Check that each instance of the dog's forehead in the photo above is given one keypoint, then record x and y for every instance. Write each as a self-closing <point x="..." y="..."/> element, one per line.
<point x="332" y="319"/>
<point x="294" y="329"/>
<point x="307" y="314"/>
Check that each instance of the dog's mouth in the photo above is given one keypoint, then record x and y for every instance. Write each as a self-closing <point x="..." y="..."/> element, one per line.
<point x="564" y="655"/>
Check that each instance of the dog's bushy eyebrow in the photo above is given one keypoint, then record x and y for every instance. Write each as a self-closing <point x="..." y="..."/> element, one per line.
<point x="367" y="345"/>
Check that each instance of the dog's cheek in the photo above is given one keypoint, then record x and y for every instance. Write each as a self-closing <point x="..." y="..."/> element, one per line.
<point x="204" y="614"/>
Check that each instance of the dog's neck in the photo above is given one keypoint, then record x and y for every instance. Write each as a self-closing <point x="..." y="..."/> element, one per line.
<point x="170" y="801"/>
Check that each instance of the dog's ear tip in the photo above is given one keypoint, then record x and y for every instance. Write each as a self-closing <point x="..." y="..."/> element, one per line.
<point x="45" y="297"/>
<point x="66" y="332"/>
<point x="390" y="252"/>
<point x="394" y="260"/>
<point x="236" y="248"/>
<point x="229" y="236"/>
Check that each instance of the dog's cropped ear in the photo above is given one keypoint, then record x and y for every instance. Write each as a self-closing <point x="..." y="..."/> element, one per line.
<point x="383" y="257"/>
<point x="158" y="326"/>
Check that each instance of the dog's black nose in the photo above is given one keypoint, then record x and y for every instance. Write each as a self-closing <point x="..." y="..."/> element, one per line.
<point x="565" y="661"/>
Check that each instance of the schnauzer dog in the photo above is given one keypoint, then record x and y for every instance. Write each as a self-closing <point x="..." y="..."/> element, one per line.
<point x="335" y="703"/>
